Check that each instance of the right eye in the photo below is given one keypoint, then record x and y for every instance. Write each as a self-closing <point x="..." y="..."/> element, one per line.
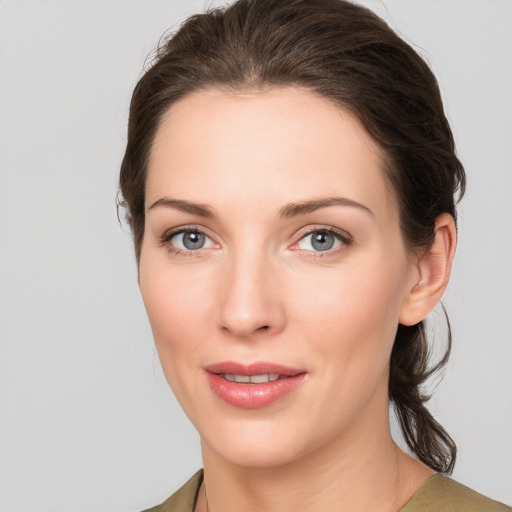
<point x="189" y="240"/>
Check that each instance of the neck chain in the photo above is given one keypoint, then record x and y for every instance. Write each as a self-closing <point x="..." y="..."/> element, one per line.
<point x="206" y="497"/>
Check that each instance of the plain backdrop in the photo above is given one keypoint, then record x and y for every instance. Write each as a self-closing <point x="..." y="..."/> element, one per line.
<point x="87" y="420"/>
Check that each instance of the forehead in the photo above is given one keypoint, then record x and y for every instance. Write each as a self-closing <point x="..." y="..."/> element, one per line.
<point x="284" y="142"/>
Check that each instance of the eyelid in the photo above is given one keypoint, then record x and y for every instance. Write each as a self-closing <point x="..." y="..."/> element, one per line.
<point x="342" y="235"/>
<point x="167" y="236"/>
<point x="345" y="238"/>
<point x="169" y="233"/>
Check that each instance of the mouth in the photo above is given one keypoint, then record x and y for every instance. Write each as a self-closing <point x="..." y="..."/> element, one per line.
<point x="252" y="386"/>
<point x="251" y="379"/>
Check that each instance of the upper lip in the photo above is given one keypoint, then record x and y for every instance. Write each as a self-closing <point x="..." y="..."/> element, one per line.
<point x="257" y="368"/>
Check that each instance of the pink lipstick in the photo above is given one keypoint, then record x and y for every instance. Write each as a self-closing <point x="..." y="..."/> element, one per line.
<point x="252" y="386"/>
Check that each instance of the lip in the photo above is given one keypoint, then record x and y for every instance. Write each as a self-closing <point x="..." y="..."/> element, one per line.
<point x="253" y="396"/>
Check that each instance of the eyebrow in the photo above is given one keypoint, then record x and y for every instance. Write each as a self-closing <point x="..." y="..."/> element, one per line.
<point x="290" y="210"/>
<point x="201" y="210"/>
<point x="303" y="207"/>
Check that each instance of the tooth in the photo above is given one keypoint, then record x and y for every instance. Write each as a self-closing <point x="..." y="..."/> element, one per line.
<point x="253" y="379"/>
<point x="259" y="379"/>
<point x="266" y="377"/>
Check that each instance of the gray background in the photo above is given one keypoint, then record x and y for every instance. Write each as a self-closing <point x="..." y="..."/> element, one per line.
<point x="87" y="421"/>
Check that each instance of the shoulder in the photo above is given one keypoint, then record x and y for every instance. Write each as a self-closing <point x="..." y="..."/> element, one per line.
<point x="184" y="499"/>
<point x="438" y="494"/>
<point x="442" y="494"/>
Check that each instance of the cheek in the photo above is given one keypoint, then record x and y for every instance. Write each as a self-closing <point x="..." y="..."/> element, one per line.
<point x="356" y="298"/>
<point x="177" y="308"/>
<point x="177" y="302"/>
<point x="350" y="316"/>
<point x="349" y="320"/>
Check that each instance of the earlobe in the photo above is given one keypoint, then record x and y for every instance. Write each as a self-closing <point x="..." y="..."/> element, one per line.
<point x="431" y="274"/>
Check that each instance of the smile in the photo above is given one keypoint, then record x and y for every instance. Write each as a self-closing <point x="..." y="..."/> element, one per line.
<point x="251" y="379"/>
<point x="252" y="386"/>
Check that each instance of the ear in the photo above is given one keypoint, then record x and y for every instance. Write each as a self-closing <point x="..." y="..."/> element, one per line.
<point x="431" y="273"/>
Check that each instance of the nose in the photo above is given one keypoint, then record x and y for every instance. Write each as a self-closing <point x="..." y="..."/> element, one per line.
<point x="250" y="300"/>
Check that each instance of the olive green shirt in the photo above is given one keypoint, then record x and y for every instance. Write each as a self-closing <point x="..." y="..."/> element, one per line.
<point x="437" y="494"/>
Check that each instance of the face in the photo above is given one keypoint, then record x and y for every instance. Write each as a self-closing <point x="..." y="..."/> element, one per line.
<point x="272" y="250"/>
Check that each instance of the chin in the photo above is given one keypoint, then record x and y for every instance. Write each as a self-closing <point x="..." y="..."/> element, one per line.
<point x="258" y="444"/>
<point x="255" y="455"/>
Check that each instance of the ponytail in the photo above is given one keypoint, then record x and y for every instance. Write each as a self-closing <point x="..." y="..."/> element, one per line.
<point x="409" y="370"/>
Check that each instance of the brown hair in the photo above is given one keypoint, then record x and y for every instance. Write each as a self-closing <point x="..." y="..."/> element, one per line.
<point x="347" y="54"/>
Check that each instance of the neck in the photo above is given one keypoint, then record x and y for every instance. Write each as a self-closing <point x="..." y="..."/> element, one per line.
<point x="359" y="471"/>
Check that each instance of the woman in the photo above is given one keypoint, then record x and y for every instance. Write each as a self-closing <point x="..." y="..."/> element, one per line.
<point x="290" y="178"/>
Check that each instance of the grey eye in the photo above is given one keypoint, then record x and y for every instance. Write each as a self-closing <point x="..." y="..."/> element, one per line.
<point x="189" y="240"/>
<point x="193" y="240"/>
<point x="322" y="241"/>
<point x="319" y="241"/>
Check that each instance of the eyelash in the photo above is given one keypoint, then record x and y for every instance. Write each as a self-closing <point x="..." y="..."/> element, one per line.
<point x="342" y="236"/>
<point x="168" y="236"/>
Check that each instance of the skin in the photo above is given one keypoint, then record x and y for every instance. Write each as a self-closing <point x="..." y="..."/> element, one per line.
<point x="259" y="291"/>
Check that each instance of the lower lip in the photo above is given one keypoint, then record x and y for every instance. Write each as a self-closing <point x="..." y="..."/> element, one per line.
<point x="253" y="396"/>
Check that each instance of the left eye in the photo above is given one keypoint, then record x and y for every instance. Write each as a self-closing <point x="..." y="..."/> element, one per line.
<point x="320" y="240"/>
<point x="190" y="241"/>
